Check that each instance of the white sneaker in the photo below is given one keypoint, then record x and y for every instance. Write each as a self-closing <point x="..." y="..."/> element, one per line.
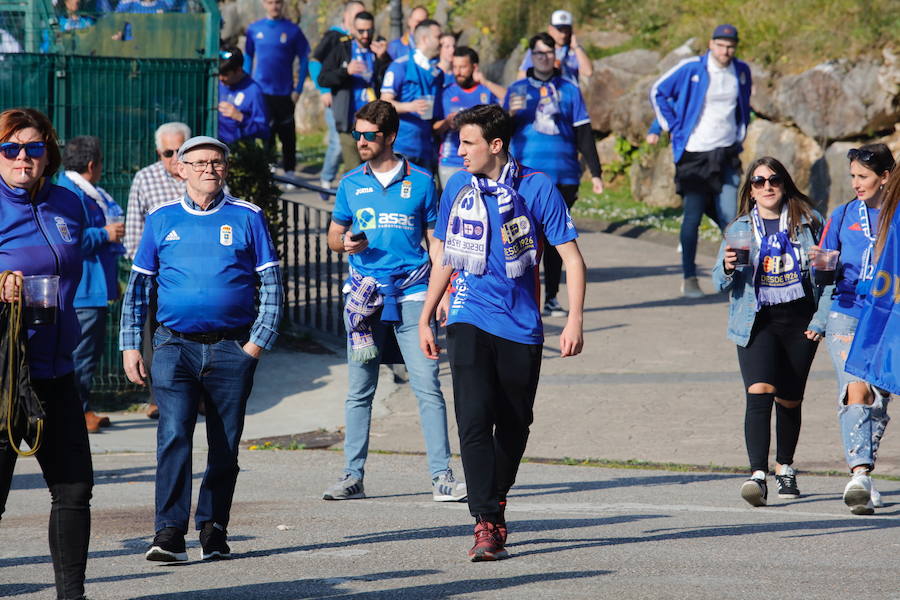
<point x="858" y="494"/>
<point x="875" y="495"/>
<point x="325" y="184"/>
<point x="445" y="488"/>
<point x="552" y="308"/>
<point x="690" y="288"/>
<point x="290" y="186"/>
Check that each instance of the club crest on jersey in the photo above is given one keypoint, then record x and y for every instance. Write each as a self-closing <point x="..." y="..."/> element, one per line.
<point x="239" y="99"/>
<point x="484" y="98"/>
<point x="63" y="229"/>
<point x="225" y="235"/>
<point x="284" y="38"/>
<point x="406" y="189"/>
<point x="259" y="35"/>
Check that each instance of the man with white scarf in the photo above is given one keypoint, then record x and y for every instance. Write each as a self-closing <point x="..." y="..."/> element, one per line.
<point x="101" y="246"/>
<point x="491" y="220"/>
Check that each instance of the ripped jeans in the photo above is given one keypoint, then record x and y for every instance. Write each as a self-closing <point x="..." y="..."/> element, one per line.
<point x="862" y="426"/>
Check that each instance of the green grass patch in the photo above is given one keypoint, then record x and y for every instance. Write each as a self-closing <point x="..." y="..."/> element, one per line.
<point x="616" y="206"/>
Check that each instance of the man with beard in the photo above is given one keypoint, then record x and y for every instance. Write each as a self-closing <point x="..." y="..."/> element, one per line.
<point x="382" y="212"/>
<point x="465" y="92"/>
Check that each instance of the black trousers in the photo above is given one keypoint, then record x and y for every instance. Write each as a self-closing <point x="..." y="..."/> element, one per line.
<point x="65" y="460"/>
<point x="281" y="122"/>
<point x="780" y="354"/>
<point x="494" y="383"/>
<point x="552" y="259"/>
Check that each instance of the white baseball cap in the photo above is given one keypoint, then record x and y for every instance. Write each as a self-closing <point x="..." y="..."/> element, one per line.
<point x="561" y="17"/>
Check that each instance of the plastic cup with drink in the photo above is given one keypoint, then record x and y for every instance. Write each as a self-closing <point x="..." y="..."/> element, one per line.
<point x="824" y="263"/>
<point x="518" y="99"/>
<point x="739" y="241"/>
<point x="428" y="113"/>
<point x="41" y="299"/>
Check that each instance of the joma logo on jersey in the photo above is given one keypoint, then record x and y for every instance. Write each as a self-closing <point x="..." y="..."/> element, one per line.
<point x="398" y="219"/>
<point x="365" y="190"/>
<point x="515" y="229"/>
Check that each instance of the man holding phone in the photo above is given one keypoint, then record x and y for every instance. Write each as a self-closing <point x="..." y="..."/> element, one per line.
<point x="383" y="211"/>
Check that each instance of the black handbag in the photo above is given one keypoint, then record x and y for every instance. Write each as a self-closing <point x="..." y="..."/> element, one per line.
<point x="21" y="413"/>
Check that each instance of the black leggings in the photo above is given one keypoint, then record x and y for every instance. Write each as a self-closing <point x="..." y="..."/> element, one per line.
<point x="780" y="354"/>
<point x="494" y="383"/>
<point x="552" y="259"/>
<point x="65" y="460"/>
<point x="281" y="122"/>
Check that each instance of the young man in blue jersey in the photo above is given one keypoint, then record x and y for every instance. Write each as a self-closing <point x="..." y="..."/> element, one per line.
<point x="219" y="303"/>
<point x="552" y="127"/>
<point x="463" y="93"/>
<point x="492" y="219"/>
<point x="242" y="105"/>
<point x="272" y="46"/>
<point x="704" y="104"/>
<point x="383" y="211"/>
<point x="330" y="39"/>
<point x="402" y="45"/>
<point x="413" y="84"/>
<point x="571" y="59"/>
<point x="353" y="72"/>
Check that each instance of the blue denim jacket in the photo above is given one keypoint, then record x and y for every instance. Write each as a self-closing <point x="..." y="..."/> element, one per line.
<point x="742" y="301"/>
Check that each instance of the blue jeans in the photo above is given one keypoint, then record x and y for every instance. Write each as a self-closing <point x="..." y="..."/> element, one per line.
<point x="183" y="373"/>
<point x="862" y="426"/>
<point x="89" y="350"/>
<point x="333" y="152"/>
<point x="423" y="377"/>
<point x="694" y="206"/>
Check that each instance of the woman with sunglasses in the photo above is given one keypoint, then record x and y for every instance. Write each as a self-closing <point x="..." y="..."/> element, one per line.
<point x="40" y="234"/>
<point x="852" y="229"/>
<point x="772" y="317"/>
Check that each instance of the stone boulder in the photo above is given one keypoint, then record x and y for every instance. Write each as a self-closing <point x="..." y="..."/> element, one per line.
<point x="798" y="152"/>
<point x="637" y="62"/>
<point x="763" y="94"/>
<point x="309" y="114"/>
<point x="615" y="78"/>
<point x="682" y="52"/>
<point x="631" y="114"/>
<point x="836" y="176"/>
<point x="841" y="99"/>
<point x="652" y="178"/>
<point x="602" y="39"/>
<point x="602" y="91"/>
<point x="606" y="150"/>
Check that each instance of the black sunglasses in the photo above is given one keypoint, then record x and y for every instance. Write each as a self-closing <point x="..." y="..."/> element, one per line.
<point x="860" y="155"/>
<point x="168" y="153"/>
<point x="369" y="135"/>
<point x="32" y="149"/>
<point x="758" y="181"/>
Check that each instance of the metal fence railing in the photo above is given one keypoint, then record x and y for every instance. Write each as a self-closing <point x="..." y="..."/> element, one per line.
<point x="313" y="274"/>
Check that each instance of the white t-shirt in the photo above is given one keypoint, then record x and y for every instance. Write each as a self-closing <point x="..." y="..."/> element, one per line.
<point x="717" y="126"/>
<point x="388" y="176"/>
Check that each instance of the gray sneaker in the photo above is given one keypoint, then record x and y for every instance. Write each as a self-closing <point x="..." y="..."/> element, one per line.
<point x="446" y="488"/>
<point x="690" y="288"/>
<point x="348" y="487"/>
<point x="552" y="308"/>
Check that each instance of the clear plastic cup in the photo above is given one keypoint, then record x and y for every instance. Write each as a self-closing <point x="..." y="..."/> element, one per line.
<point x="739" y="241"/>
<point x="41" y="294"/>
<point x="115" y="220"/>
<point x="428" y="113"/>
<point x="517" y="100"/>
<point x="824" y="263"/>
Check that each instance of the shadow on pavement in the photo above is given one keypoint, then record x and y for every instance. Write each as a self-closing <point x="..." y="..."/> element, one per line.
<point x="541" y="489"/>
<point x="606" y="274"/>
<point x="327" y="588"/>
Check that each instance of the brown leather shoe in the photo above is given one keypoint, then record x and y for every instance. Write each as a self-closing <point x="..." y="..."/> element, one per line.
<point x="152" y="411"/>
<point x="104" y="421"/>
<point x="92" y="421"/>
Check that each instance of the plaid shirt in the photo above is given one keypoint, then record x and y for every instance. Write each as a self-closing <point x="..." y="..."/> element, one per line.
<point x="151" y="187"/>
<point x="137" y="297"/>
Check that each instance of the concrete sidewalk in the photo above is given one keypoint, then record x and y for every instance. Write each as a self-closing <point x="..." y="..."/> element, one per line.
<point x="657" y="381"/>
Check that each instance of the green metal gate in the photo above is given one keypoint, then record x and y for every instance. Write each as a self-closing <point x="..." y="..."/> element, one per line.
<point x="114" y="94"/>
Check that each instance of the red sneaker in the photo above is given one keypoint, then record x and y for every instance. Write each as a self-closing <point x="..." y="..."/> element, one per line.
<point x="501" y="525"/>
<point x="487" y="543"/>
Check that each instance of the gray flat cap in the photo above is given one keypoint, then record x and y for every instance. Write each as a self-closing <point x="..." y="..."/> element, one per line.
<point x="201" y="140"/>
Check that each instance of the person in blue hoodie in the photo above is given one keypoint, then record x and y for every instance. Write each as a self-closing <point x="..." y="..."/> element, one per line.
<point x="41" y="226"/>
<point x="101" y="247"/>
<point x="272" y="45"/>
<point x="704" y="104"/>
<point x="242" y="105"/>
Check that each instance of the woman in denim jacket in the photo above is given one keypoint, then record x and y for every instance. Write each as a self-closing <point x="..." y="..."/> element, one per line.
<point x="772" y="317"/>
<point x="852" y="229"/>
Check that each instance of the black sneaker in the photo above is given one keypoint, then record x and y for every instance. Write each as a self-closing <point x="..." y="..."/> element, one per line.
<point x="167" y="546"/>
<point x="213" y="542"/>
<point x="755" y="492"/>
<point x="787" y="483"/>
